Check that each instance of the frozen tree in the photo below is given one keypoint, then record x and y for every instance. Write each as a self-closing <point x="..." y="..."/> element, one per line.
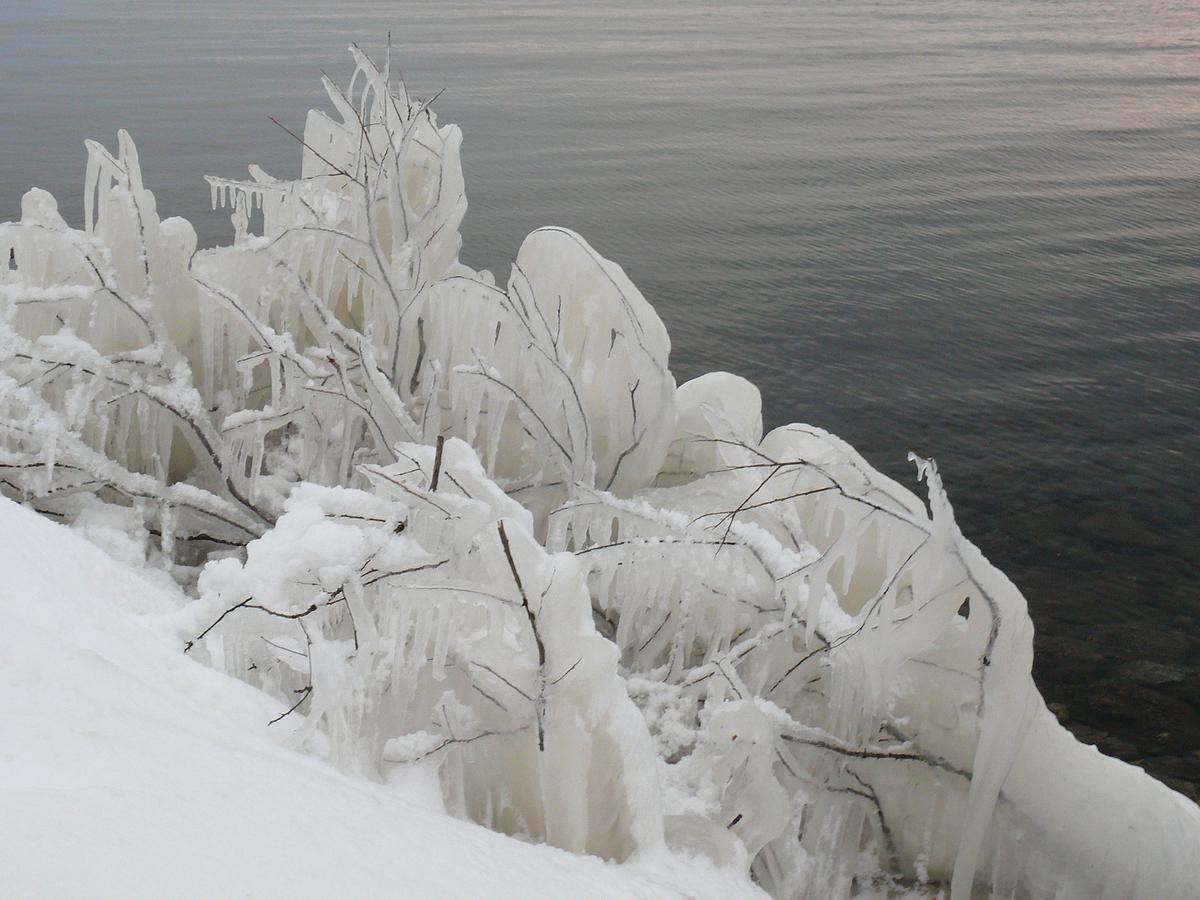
<point x="478" y="529"/>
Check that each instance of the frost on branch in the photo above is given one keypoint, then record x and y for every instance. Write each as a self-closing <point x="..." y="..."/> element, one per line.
<point x="487" y="539"/>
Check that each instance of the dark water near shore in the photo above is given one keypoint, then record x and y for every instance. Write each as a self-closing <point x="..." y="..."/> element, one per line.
<point x="966" y="228"/>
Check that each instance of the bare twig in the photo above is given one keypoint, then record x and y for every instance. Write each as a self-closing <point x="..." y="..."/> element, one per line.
<point x="304" y="695"/>
<point x="539" y="702"/>
<point x="437" y="464"/>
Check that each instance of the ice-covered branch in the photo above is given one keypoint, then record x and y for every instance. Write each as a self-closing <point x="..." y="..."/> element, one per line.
<point x="753" y="649"/>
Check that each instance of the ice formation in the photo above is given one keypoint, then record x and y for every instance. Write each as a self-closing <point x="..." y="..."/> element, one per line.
<point x="484" y="530"/>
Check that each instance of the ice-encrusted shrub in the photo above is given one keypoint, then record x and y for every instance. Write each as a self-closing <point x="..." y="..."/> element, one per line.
<point x="484" y="531"/>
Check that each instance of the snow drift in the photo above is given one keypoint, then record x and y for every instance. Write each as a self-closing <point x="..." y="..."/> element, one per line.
<point x="485" y="534"/>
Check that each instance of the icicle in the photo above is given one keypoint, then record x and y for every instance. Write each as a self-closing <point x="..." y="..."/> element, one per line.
<point x="441" y="642"/>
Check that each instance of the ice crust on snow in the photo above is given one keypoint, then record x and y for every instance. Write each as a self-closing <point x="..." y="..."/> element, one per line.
<point x="473" y="542"/>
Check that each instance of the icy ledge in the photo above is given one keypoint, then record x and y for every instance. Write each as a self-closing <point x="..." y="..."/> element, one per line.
<point x="475" y="534"/>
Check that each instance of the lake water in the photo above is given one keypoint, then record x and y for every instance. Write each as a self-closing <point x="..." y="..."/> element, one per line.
<point x="966" y="228"/>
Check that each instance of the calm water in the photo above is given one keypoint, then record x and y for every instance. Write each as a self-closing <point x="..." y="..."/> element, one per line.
<point x="966" y="228"/>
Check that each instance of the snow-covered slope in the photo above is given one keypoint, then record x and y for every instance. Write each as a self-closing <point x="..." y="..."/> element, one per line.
<point x="128" y="770"/>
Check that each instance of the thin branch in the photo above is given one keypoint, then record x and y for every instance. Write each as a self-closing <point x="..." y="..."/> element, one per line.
<point x="449" y="741"/>
<point x="304" y="695"/>
<point x="246" y="604"/>
<point x="307" y="146"/>
<point x="540" y="702"/>
<point x="437" y="464"/>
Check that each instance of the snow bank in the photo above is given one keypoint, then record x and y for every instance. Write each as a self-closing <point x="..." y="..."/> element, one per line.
<point x="126" y="769"/>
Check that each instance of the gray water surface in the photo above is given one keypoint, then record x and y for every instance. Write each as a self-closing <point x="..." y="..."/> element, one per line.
<point x="965" y="228"/>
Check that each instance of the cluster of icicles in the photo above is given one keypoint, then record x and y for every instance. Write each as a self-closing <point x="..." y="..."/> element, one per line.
<point x="478" y="528"/>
